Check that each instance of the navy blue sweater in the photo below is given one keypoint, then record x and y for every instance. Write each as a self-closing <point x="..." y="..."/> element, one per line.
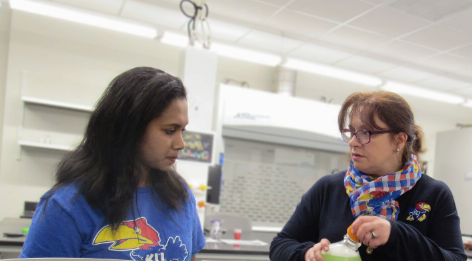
<point x="324" y="212"/>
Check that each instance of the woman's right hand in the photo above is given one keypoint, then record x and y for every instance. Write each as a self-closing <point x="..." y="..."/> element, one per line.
<point x="314" y="253"/>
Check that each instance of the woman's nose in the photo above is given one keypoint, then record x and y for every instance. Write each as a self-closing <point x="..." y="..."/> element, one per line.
<point x="353" y="141"/>
<point x="179" y="143"/>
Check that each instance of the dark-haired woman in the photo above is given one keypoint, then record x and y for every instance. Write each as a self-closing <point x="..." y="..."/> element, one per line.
<point x="117" y="196"/>
<point x="397" y="212"/>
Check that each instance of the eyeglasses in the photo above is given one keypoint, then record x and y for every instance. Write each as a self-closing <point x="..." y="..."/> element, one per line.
<point x="362" y="136"/>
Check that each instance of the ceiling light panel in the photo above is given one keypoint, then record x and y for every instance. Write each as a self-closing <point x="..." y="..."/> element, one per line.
<point x="279" y="3"/>
<point x="270" y="42"/>
<point x="444" y="83"/>
<point x="332" y="72"/>
<point x="226" y="31"/>
<point x="467" y="92"/>
<point x="175" y="39"/>
<point x="405" y="89"/>
<point x="363" y="64"/>
<point x="319" y="54"/>
<point x="246" y="54"/>
<point x="141" y="11"/>
<point x="405" y="74"/>
<point x="103" y="6"/>
<point x="468" y="103"/>
<point x="224" y="50"/>
<point x="83" y="17"/>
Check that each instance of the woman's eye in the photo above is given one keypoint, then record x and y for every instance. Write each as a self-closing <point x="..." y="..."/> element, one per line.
<point x="170" y="132"/>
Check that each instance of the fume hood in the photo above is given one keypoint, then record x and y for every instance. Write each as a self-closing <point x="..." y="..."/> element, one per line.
<point x="273" y="118"/>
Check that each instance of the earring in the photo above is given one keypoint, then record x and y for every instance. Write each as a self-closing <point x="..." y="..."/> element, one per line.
<point x="398" y="150"/>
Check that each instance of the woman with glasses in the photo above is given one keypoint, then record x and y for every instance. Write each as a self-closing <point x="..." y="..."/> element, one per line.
<point x="397" y="212"/>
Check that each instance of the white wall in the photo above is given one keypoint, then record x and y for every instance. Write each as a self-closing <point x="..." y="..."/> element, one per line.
<point x="74" y="63"/>
<point x="4" y="39"/>
<point x="64" y="61"/>
<point x="431" y="116"/>
<point x="454" y="168"/>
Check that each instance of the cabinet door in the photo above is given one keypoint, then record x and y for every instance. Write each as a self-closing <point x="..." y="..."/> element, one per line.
<point x="453" y="165"/>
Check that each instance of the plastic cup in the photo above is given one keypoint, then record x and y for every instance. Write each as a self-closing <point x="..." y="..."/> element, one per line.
<point x="25" y="230"/>
<point x="237" y="233"/>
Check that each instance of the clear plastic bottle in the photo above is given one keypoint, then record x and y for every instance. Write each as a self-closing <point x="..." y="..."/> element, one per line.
<point x="345" y="250"/>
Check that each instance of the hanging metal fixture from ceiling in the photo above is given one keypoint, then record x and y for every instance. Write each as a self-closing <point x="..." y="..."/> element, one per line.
<point x="198" y="27"/>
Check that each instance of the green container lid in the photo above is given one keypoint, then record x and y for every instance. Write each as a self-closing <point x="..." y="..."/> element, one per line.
<point x="25" y="230"/>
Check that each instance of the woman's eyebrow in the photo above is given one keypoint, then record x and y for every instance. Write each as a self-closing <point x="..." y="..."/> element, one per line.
<point x="361" y="127"/>
<point x="175" y="125"/>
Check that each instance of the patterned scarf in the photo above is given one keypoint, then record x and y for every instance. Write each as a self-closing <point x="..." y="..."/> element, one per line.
<point x="375" y="196"/>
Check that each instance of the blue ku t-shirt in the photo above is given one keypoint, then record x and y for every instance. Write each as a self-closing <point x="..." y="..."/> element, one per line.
<point x="71" y="228"/>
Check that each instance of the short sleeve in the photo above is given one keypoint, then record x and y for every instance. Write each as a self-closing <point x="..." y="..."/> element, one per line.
<point x="53" y="233"/>
<point x="198" y="239"/>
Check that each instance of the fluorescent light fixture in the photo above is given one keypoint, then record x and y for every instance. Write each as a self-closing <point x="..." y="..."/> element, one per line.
<point x="332" y="72"/>
<point x="407" y="89"/>
<point x="468" y="103"/>
<point x="246" y="54"/>
<point x="175" y="39"/>
<point x="83" y="17"/>
<point x="226" y="50"/>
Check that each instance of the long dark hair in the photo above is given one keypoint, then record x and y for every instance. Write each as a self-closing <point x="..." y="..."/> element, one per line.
<point x="392" y="109"/>
<point x="104" y="165"/>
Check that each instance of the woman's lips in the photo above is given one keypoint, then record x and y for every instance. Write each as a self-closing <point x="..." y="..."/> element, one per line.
<point x="356" y="156"/>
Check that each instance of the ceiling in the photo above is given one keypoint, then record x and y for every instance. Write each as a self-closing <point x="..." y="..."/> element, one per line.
<point x="424" y="42"/>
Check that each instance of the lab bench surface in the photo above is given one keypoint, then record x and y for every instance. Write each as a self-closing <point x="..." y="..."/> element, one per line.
<point x="10" y="247"/>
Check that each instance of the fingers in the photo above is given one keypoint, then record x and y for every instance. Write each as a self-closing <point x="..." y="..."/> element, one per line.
<point x="324" y="246"/>
<point x="360" y="226"/>
<point x="314" y="253"/>
<point x="310" y="254"/>
<point x="361" y="220"/>
<point x="367" y="237"/>
<point x="372" y="231"/>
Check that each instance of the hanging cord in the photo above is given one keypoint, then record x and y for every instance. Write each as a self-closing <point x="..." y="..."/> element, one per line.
<point x="198" y="21"/>
<point x="136" y="228"/>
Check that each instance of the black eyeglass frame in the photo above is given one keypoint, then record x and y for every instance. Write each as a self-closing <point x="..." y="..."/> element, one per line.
<point x="357" y="137"/>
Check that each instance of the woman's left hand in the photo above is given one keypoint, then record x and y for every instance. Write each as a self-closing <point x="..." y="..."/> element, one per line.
<point x="372" y="231"/>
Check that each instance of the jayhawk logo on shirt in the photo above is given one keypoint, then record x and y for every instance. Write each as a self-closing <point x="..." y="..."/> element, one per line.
<point x="418" y="212"/>
<point x="142" y="240"/>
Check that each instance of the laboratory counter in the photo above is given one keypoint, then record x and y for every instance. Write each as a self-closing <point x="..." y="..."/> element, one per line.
<point x="11" y="246"/>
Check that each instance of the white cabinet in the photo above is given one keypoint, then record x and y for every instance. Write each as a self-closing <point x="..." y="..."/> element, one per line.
<point x="63" y="105"/>
<point x="452" y="165"/>
<point x="52" y="124"/>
